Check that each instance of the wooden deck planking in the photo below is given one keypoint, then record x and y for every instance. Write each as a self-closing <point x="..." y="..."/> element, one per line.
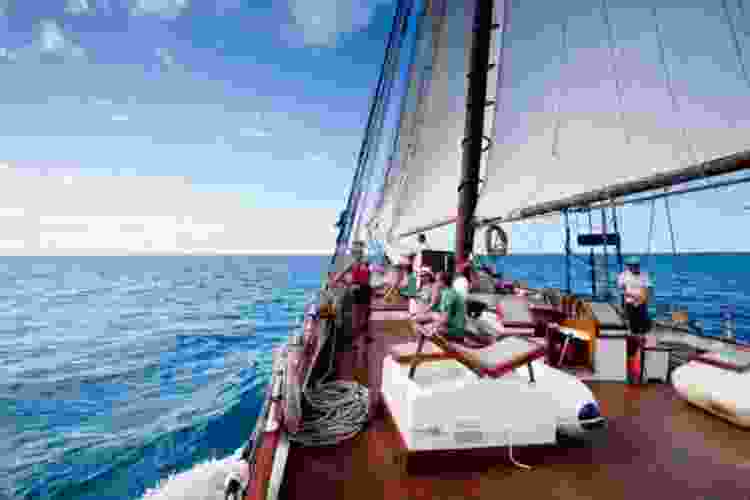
<point x="656" y="446"/>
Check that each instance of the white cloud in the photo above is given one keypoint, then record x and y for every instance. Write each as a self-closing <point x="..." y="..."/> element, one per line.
<point x="253" y="132"/>
<point x="8" y="55"/>
<point x="12" y="212"/>
<point x="101" y="102"/>
<point x="51" y="40"/>
<point x="323" y="21"/>
<point x="116" y="215"/>
<point x="78" y="7"/>
<point x="168" y="9"/>
<point x="120" y="118"/>
<point x="165" y="57"/>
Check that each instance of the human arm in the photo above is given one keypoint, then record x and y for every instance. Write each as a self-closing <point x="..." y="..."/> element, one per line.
<point x="435" y="296"/>
<point x="338" y="277"/>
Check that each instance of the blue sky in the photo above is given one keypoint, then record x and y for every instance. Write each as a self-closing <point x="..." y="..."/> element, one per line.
<point x="216" y="126"/>
<point x="247" y="115"/>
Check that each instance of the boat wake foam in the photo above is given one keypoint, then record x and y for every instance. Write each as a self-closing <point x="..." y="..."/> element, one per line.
<point x="205" y="481"/>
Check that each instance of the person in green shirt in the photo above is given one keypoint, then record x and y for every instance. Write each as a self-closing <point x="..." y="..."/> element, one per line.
<point x="431" y="292"/>
<point x="450" y="317"/>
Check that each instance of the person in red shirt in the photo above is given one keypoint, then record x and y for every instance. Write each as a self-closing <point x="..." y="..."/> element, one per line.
<point x="359" y="273"/>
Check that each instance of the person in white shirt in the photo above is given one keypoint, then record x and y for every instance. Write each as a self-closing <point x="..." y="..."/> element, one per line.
<point x="636" y="293"/>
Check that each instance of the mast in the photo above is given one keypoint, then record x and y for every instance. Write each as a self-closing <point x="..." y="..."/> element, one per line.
<point x="468" y="189"/>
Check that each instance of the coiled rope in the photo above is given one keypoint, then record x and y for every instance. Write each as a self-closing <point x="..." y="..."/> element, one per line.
<point x="340" y="409"/>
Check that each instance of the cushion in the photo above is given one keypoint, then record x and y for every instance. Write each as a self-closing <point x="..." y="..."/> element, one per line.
<point x="406" y="352"/>
<point x="737" y="360"/>
<point x="607" y="316"/>
<point x="487" y="324"/>
<point x="517" y="311"/>
<point x="502" y="356"/>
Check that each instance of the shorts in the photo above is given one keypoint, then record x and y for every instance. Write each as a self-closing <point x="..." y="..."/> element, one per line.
<point x="362" y="295"/>
<point x="639" y="322"/>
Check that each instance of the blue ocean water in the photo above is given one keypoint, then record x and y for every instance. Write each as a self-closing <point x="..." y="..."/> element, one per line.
<point x="116" y="371"/>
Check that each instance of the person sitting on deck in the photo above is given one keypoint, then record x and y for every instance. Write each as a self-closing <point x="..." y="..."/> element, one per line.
<point x="408" y="278"/>
<point x="359" y="272"/>
<point x="421" y="246"/>
<point x="450" y="318"/>
<point x="431" y="291"/>
<point x="466" y="279"/>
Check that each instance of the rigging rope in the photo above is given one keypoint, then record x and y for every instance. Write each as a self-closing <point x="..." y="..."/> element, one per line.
<point x="736" y="42"/>
<point x="620" y="92"/>
<point x="373" y="129"/>
<point x="671" y="229"/>
<point x="437" y="32"/>
<point x="561" y="94"/>
<point x="499" y="64"/>
<point x="689" y="146"/>
<point x="651" y="227"/>
<point x="743" y="17"/>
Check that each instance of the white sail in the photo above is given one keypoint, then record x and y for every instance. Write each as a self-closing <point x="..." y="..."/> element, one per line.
<point x="609" y="92"/>
<point x="430" y="173"/>
<point x="592" y="95"/>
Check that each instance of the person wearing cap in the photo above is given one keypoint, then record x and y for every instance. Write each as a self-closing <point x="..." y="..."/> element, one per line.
<point x="636" y="293"/>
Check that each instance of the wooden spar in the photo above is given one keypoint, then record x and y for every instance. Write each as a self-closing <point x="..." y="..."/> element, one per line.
<point x="712" y="168"/>
<point x="474" y="129"/>
<point x="678" y="177"/>
<point x="429" y="227"/>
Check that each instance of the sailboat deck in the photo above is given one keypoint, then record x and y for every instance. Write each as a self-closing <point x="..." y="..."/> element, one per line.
<point x="656" y="446"/>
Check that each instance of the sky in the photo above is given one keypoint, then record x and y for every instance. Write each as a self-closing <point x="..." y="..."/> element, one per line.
<point x="221" y="126"/>
<point x="175" y="126"/>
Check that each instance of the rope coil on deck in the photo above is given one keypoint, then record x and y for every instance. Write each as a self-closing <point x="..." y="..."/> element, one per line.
<point x="340" y="410"/>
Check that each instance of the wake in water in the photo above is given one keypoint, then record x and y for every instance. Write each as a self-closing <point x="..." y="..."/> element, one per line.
<point x="211" y="480"/>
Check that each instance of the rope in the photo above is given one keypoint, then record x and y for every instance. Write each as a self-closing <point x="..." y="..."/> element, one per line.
<point x="510" y="451"/>
<point x="743" y="17"/>
<point x="340" y="410"/>
<point x="736" y="41"/>
<point x="651" y="227"/>
<point x="689" y="146"/>
<point x="373" y="130"/>
<point x="620" y="92"/>
<point x="563" y="63"/>
<point x="671" y="229"/>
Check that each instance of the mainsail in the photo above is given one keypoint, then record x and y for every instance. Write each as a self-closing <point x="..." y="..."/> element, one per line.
<point x="590" y="95"/>
<point x="601" y="93"/>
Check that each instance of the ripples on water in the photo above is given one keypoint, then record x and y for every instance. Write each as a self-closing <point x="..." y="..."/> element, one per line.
<point x="117" y="371"/>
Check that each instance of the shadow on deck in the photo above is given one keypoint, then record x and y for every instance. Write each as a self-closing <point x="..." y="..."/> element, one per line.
<point x="657" y="446"/>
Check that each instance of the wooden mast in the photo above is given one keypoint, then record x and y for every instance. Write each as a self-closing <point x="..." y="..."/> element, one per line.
<point x="468" y="188"/>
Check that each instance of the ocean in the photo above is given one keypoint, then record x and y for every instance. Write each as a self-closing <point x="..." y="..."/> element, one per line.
<point x="117" y="371"/>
